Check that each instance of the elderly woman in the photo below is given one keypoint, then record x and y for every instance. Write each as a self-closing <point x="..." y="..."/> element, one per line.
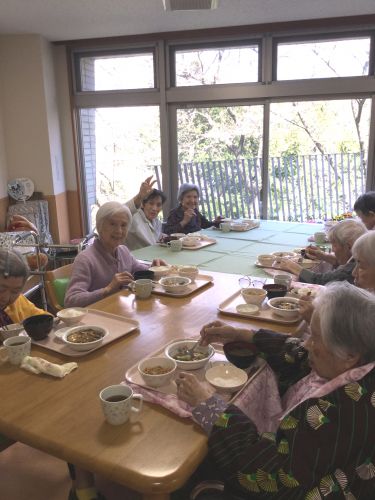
<point x="365" y="209"/>
<point x="107" y="265"/>
<point x="322" y="441"/>
<point x="146" y="228"/>
<point x="342" y="237"/>
<point x="186" y="218"/>
<point x="14" y="307"/>
<point x="364" y="255"/>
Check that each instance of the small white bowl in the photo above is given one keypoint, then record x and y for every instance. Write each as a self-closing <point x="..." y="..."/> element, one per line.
<point x="284" y="313"/>
<point x="159" y="271"/>
<point x="266" y="259"/>
<point x="190" y="272"/>
<point x="84" y="346"/>
<point x="247" y="309"/>
<point x="190" y="241"/>
<point x="160" y="379"/>
<point x="72" y="315"/>
<point x="253" y="295"/>
<point x="226" y="377"/>
<point x="10" y="331"/>
<point x="172" y="349"/>
<point x="175" y="284"/>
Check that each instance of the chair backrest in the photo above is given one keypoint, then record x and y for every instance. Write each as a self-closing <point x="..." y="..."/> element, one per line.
<point x="57" y="282"/>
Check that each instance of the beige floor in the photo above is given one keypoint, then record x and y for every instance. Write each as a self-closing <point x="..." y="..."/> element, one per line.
<point x="29" y="474"/>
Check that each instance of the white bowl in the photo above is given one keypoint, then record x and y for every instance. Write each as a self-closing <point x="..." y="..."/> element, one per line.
<point x="10" y="331"/>
<point x="190" y="272"/>
<point x="84" y="346"/>
<point x="253" y="295"/>
<point x="284" y="313"/>
<point x="159" y="271"/>
<point x="247" y="309"/>
<point x="72" y="315"/>
<point x="280" y="255"/>
<point x="157" y="380"/>
<point x="175" y="284"/>
<point x="172" y="349"/>
<point x="226" y="377"/>
<point x="266" y="259"/>
<point x="190" y="241"/>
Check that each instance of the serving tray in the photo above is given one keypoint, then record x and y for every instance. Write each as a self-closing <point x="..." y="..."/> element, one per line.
<point x="264" y="314"/>
<point x="133" y="376"/>
<point x="236" y="227"/>
<point x="200" y="244"/>
<point x="117" y="327"/>
<point x="201" y="281"/>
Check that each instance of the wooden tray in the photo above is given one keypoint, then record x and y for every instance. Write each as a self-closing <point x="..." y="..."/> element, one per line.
<point x="264" y="314"/>
<point x="132" y="375"/>
<point x="200" y="244"/>
<point x="117" y="326"/>
<point x="201" y="281"/>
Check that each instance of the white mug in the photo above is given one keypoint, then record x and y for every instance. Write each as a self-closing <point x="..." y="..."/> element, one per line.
<point x="225" y="227"/>
<point x="17" y="348"/>
<point x="142" y="288"/>
<point x="175" y="245"/>
<point x="117" y="403"/>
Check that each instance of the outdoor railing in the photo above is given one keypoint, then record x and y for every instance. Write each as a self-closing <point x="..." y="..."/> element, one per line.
<point x="300" y="188"/>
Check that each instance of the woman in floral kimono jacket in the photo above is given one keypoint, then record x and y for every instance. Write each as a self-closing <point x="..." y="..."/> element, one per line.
<point x="322" y="443"/>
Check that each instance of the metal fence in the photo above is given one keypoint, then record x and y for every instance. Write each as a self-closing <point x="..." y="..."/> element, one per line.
<point x="300" y="188"/>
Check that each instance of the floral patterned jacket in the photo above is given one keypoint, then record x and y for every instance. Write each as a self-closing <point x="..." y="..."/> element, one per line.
<point x="324" y="448"/>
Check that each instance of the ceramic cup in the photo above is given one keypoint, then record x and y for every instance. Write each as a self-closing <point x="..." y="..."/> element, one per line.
<point x="142" y="288"/>
<point x="117" y="403"/>
<point x="225" y="227"/>
<point x="320" y="237"/>
<point x="17" y="348"/>
<point x="283" y="279"/>
<point x="175" y="245"/>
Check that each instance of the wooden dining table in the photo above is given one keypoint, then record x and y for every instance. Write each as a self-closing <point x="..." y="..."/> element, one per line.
<point x="153" y="456"/>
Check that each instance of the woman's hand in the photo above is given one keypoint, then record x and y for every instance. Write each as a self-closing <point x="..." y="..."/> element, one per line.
<point x="306" y="308"/>
<point x="314" y="253"/>
<point x="188" y="215"/>
<point x="20" y="223"/>
<point x="158" y="262"/>
<point x="218" y="331"/>
<point x="289" y="265"/>
<point x="118" y="280"/>
<point x="190" y="390"/>
<point x="144" y="190"/>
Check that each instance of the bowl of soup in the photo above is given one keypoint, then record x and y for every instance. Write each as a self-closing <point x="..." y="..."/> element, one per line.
<point x="240" y="353"/>
<point x="285" y="307"/>
<point x="179" y="351"/>
<point x="157" y="371"/>
<point x="175" y="284"/>
<point x="84" y="338"/>
<point x="38" y="326"/>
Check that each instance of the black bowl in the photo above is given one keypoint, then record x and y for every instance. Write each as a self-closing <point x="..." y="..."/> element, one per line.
<point x="38" y="327"/>
<point x="240" y="354"/>
<point x="275" y="290"/>
<point x="144" y="275"/>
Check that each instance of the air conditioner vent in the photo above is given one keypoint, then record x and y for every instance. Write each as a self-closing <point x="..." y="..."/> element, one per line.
<point x="190" y="4"/>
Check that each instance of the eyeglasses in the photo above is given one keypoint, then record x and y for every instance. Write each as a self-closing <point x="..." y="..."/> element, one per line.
<point x="248" y="281"/>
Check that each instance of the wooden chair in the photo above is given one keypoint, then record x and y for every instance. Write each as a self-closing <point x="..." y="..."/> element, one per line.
<point x="51" y="279"/>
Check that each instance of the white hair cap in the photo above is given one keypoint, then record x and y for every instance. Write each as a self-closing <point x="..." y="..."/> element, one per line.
<point x="185" y="187"/>
<point x="109" y="209"/>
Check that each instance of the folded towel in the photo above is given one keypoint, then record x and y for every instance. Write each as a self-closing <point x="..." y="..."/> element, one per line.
<point x="40" y="365"/>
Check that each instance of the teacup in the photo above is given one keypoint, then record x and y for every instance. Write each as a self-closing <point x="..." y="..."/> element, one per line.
<point x="117" y="403"/>
<point x="320" y="237"/>
<point x="142" y="288"/>
<point x="188" y="272"/>
<point x="225" y="227"/>
<point x="175" y="245"/>
<point x="17" y="348"/>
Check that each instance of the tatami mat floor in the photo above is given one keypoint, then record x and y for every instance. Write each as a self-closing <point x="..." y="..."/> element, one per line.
<point x="29" y="474"/>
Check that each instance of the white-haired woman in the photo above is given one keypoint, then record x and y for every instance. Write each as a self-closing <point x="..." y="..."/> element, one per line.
<point x="364" y="256"/>
<point x="322" y="440"/>
<point x="342" y="237"/>
<point x="186" y="218"/>
<point x="107" y="265"/>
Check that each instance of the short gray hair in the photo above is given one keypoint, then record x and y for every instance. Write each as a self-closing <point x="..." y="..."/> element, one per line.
<point x="108" y="210"/>
<point x="346" y="232"/>
<point x="347" y="319"/>
<point x="13" y="265"/>
<point x="364" y="248"/>
<point x="184" y="188"/>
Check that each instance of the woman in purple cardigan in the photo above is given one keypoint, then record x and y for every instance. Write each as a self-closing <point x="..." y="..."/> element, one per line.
<point x="107" y="265"/>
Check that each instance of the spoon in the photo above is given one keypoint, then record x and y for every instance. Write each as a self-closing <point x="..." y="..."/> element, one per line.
<point x="190" y="352"/>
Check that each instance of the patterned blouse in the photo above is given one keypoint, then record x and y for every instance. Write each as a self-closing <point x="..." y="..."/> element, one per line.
<point x="323" y="448"/>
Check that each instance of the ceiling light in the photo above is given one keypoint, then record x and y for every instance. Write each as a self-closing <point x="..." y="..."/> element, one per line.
<point x="190" y="4"/>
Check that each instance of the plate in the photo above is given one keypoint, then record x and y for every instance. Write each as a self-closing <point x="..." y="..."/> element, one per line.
<point x="21" y="189"/>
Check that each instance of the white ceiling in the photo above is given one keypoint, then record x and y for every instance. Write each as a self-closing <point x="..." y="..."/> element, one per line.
<point x="73" y="19"/>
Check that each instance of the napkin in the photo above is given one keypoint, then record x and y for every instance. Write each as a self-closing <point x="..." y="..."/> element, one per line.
<point x="40" y="365"/>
